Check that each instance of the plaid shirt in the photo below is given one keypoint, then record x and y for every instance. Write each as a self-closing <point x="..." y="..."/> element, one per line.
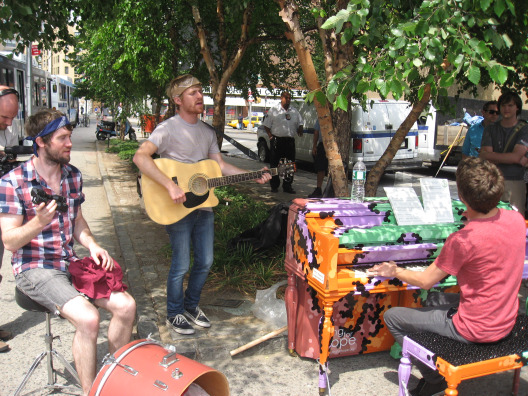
<point x="53" y="247"/>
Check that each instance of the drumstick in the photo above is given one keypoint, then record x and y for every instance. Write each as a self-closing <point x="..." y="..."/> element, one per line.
<point x="258" y="341"/>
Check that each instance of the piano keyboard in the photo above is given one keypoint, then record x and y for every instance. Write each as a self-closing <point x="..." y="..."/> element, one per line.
<point x="363" y="273"/>
<point x="420" y="266"/>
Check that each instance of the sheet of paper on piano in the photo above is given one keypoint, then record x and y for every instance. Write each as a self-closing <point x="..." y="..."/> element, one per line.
<point x="407" y="207"/>
<point x="408" y="210"/>
<point x="436" y="200"/>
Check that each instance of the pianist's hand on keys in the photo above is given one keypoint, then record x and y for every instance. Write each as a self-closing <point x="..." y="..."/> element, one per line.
<point x="388" y="269"/>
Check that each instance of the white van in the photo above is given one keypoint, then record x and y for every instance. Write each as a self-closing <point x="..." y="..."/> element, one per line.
<point x="371" y="132"/>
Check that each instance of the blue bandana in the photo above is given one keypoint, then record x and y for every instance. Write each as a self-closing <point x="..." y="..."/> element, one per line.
<point x="54" y="125"/>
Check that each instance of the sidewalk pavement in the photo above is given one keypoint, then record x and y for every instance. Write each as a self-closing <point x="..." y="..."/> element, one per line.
<point x="114" y="213"/>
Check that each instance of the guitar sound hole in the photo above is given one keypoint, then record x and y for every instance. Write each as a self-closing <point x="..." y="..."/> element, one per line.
<point x="198" y="184"/>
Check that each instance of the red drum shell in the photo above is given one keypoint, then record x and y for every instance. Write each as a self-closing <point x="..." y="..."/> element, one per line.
<point x="145" y="356"/>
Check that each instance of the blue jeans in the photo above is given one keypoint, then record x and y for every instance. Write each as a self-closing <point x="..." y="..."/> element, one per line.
<point x="196" y="228"/>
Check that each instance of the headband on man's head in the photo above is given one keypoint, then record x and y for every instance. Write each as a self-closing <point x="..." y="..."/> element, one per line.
<point x="8" y="91"/>
<point x="51" y="127"/>
<point x="180" y="84"/>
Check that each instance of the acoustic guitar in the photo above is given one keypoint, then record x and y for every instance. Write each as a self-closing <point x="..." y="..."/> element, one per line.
<point x="198" y="181"/>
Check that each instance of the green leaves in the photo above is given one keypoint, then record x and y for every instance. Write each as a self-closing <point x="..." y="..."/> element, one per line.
<point x="341" y="102"/>
<point x="499" y="7"/>
<point x="382" y="87"/>
<point x="355" y="14"/>
<point x="473" y="74"/>
<point x="444" y="43"/>
<point x="498" y="74"/>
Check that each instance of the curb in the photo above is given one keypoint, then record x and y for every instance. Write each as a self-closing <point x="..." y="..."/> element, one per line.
<point x="146" y="320"/>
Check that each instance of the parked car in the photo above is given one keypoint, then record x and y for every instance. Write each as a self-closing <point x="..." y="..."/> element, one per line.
<point x="233" y="123"/>
<point x="371" y="132"/>
<point x="254" y="121"/>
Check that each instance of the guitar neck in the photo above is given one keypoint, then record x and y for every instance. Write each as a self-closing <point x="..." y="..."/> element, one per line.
<point x="241" y="177"/>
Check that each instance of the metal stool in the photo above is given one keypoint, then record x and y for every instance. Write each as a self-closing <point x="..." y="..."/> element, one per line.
<point x="28" y="304"/>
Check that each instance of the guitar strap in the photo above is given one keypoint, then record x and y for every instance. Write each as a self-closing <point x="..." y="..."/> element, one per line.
<point x="514" y="133"/>
<point x="238" y="145"/>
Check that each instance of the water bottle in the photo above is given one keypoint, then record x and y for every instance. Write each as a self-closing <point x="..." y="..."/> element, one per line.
<point x="359" y="174"/>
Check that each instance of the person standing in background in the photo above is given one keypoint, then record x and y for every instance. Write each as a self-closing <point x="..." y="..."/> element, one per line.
<point x="502" y="145"/>
<point x="8" y="112"/>
<point x="281" y="125"/>
<point x="240" y="122"/>
<point x="471" y="146"/>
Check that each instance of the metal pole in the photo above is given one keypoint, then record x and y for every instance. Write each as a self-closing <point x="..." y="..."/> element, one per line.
<point x="29" y="78"/>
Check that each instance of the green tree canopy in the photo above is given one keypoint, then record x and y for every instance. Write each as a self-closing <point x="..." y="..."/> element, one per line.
<point x="46" y="23"/>
<point x="399" y="48"/>
<point x="139" y="47"/>
<point x="417" y="50"/>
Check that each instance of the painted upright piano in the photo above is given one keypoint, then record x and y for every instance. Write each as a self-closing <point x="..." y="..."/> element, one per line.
<point x="333" y="308"/>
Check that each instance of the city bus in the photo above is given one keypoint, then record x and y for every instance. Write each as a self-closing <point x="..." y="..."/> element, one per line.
<point x="62" y="98"/>
<point x="13" y="74"/>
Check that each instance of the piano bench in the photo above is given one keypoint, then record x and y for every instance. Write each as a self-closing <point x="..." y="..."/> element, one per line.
<point x="457" y="361"/>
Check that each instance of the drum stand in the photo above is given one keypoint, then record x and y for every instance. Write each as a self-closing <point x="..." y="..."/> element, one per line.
<point x="30" y="305"/>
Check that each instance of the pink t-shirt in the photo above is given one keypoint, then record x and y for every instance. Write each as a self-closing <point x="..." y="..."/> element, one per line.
<point x="487" y="257"/>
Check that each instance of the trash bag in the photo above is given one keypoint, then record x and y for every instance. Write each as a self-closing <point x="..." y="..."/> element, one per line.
<point x="269" y="308"/>
<point x="268" y="233"/>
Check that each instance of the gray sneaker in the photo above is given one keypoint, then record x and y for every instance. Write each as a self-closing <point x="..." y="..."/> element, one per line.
<point x="197" y="317"/>
<point x="180" y="324"/>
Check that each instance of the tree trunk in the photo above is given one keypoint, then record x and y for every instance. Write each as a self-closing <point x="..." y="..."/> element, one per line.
<point x="290" y="16"/>
<point x="377" y="171"/>
<point x="219" y="82"/>
<point x="342" y="125"/>
<point x="337" y="55"/>
<point x="219" y="115"/>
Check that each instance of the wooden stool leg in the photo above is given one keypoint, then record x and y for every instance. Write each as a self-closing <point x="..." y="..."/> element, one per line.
<point x="404" y="372"/>
<point x="451" y="391"/>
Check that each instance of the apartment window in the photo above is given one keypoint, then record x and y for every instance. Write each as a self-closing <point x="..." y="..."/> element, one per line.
<point x="66" y="70"/>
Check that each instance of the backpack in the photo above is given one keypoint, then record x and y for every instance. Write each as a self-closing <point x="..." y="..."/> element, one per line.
<point x="268" y="233"/>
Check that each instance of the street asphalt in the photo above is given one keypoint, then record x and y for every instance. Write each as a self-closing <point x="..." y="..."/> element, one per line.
<point x="118" y="221"/>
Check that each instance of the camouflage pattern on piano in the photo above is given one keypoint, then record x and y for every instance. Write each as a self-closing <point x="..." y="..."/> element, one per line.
<point x="334" y="309"/>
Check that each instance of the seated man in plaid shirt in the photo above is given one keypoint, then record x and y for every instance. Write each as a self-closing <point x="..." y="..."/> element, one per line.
<point x="41" y="237"/>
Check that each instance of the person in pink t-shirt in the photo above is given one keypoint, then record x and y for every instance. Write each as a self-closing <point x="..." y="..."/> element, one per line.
<point x="486" y="256"/>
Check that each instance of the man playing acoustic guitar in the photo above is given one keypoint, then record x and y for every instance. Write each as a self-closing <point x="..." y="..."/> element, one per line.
<point x="186" y="139"/>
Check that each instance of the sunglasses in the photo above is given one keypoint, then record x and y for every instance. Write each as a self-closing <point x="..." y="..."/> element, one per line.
<point x="492" y="112"/>
<point x="8" y="91"/>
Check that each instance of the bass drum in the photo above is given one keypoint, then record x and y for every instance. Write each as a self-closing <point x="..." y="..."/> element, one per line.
<point x="145" y="367"/>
